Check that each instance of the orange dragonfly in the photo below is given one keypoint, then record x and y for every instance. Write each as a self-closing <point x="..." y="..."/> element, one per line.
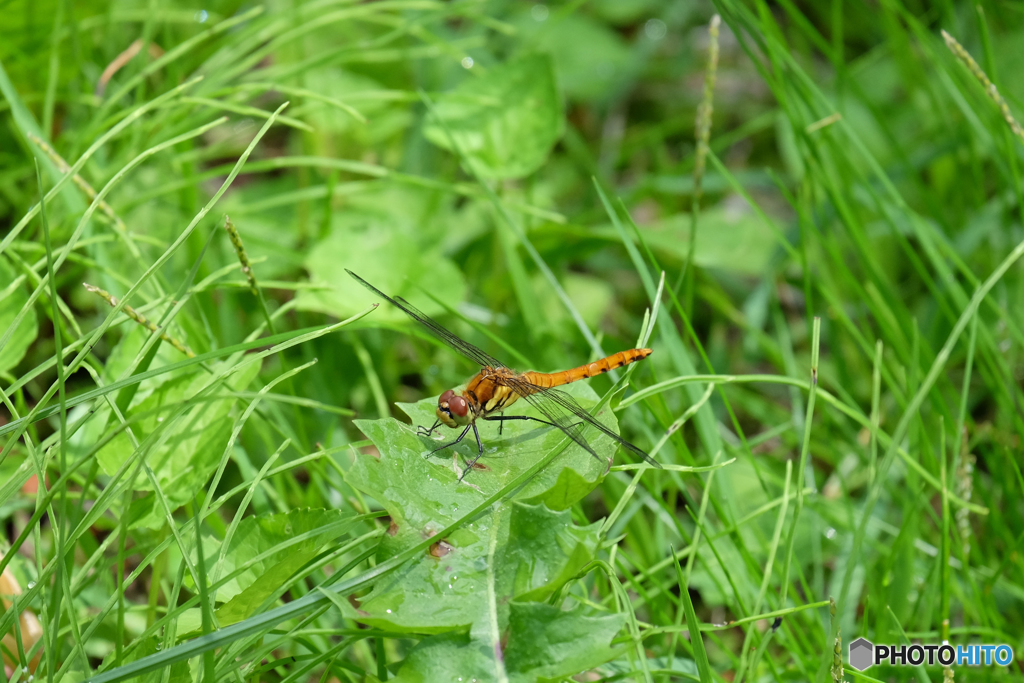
<point x="496" y="387"/>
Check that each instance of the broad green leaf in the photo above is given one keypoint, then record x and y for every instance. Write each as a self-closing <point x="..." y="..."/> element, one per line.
<point x="589" y="57"/>
<point x="541" y="541"/>
<point x="506" y="121"/>
<point x="520" y="550"/>
<point x="542" y="643"/>
<point x="389" y="249"/>
<point x="545" y="642"/>
<point x="535" y="551"/>
<point x="13" y="298"/>
<point x="448" y="657"/>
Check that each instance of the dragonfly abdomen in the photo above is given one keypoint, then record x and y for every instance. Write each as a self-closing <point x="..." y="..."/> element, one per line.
<point x="598" y="367"/>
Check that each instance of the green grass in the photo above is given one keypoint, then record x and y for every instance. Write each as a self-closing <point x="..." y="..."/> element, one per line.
<point x="206" y="466"/>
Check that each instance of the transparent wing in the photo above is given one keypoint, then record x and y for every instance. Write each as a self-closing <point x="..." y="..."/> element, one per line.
<point x="562" y="410"/>
<point x="465" y="348"/>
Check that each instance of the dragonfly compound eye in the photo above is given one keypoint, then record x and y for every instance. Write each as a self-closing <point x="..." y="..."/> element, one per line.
<point x="458" y="406"/>
<point x="445" y="397"/>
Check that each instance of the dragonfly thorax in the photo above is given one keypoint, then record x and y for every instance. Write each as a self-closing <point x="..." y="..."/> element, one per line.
<point x="453" y="410"/>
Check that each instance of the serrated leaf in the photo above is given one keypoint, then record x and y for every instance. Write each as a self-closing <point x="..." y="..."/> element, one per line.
<point x="468" y="579"/>
<point x="542" y="643"/>
<point x="505" y="121"/>
<point x="539" y="541"/>
<point x="545" y="642"/>
<point x="447" y="657"/>
<point x="520" y="550"/>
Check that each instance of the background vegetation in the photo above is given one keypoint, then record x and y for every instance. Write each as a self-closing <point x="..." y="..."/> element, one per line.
<point x="835" y="389"/>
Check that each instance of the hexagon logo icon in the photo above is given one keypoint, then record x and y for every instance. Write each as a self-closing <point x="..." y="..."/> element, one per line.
<point x="862" y="654"/>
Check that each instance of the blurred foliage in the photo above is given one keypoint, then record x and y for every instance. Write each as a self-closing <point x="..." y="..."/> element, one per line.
<point x="455" y="154"/>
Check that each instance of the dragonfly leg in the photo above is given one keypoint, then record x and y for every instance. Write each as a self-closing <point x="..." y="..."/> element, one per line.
<point x="480" y="450"/>
<point x="453" y="443"/>
<point x="423" y="431"/>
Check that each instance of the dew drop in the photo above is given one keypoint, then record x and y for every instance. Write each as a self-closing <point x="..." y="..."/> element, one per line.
<point x="655" y="29"/>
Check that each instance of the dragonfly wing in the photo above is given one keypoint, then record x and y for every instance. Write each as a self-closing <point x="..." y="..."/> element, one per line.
<point x="463" y="347"/>
<point x="564" y="411"/>
<point x="558" y="417"/>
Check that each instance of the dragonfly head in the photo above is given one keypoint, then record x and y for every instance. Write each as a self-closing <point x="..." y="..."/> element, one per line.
<point x="452" y="409"/>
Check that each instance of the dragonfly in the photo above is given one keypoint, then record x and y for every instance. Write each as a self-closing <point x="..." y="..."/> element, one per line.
<point x="496" y="387"/>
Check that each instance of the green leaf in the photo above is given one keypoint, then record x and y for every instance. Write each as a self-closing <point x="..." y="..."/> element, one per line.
<point x="590" y="58"/>
<point x="12" y="299"/>
<point x="541" y="541"/>
<point x="729" y="239"/>
<point x="521" y="550"/>
<point x="390" y="250"/>
<point x="505" y="122"/>
<point x="467" y="579"/>
<point x="547" y="643"/>
<point x="542" y="643"/>
<point x="447" y="657"/>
